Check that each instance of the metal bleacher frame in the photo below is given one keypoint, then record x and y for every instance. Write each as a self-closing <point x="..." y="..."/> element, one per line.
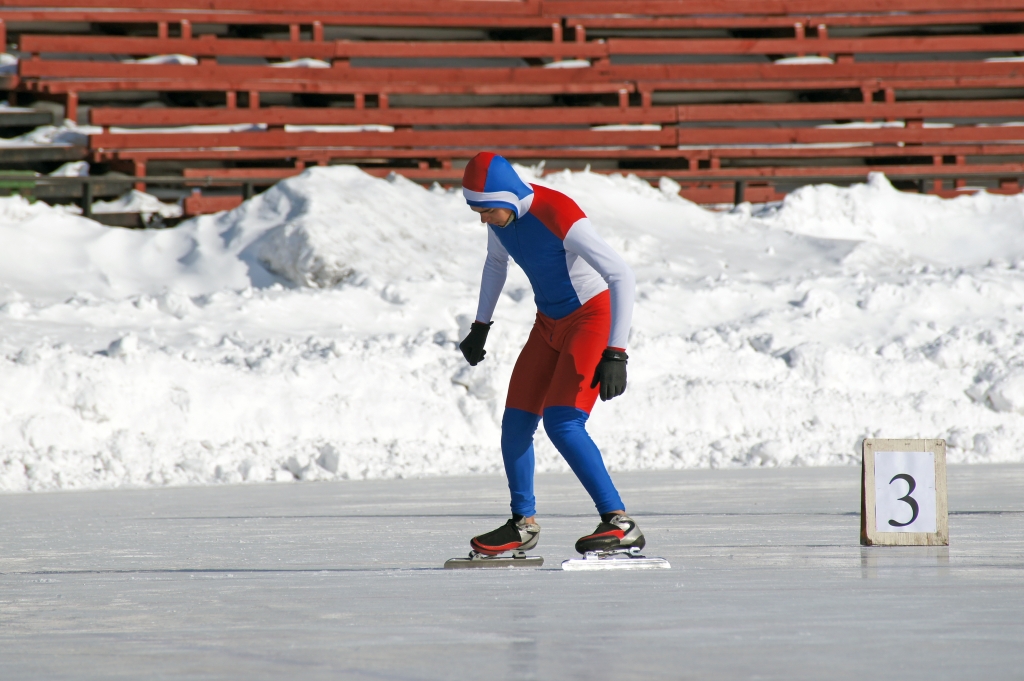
<point x="898" y="85"/>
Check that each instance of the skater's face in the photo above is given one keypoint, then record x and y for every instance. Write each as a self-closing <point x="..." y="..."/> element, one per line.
<point x="493" y="216"/>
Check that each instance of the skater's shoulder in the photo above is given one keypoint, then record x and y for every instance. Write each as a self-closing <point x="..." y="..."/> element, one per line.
<point x="555" y="210"/>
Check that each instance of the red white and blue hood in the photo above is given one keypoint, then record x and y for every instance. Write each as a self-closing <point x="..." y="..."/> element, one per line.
<point x="490" y="182"/>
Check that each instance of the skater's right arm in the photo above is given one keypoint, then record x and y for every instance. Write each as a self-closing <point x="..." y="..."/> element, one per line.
<point x="493" y="279"/>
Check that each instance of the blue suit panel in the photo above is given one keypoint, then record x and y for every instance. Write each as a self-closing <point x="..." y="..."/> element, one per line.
<point x="542" y="256"/>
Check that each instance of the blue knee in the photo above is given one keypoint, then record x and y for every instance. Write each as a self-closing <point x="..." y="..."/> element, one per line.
<point x="566" y="427"/>
<point x="517" y="430"/>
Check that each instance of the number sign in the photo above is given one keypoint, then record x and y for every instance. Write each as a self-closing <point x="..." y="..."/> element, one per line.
<point x="903" y="494"/>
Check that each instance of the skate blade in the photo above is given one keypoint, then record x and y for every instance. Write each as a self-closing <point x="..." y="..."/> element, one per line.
<point x="518" y="559"/>
<point x="618" y="559"/>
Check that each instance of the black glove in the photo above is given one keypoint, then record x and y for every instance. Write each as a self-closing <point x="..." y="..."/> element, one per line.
<point x="611" y="374"/>
<point x="473" y="345"/>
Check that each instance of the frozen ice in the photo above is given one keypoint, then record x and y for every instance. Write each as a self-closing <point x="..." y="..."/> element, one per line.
<point x="344" y="580"/>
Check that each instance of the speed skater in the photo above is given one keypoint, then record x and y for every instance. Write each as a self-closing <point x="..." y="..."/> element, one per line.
<point x="575" y="353"/>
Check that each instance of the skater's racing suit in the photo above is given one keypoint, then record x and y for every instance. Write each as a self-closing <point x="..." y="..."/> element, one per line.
<point x="584" y="295"/>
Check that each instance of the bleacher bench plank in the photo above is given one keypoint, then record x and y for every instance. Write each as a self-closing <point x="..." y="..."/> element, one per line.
<point x="834" y="46"/>
<point x="561" y="115"/>
<point x="211" y="46"/>
<point x="811" y="111"/>
<point x="682" y="157"/>
<point x="280" y="115"/>
<point x="653" y="8"/>
<point x="327" y="87"/>
<point x="294" y="16"/>
<point x="268" y="175"/>
<point x="701" y="137"/>
<point x="506" y="7"/>
<point x="95" y="76"/>
<point x="886" y="19"/>
<point x="285" y="18"/>
<point x="66" y="69"/>
<point x="398" y="138"/>
<point x="197" y="204"/>
<point x="551" y="8"/>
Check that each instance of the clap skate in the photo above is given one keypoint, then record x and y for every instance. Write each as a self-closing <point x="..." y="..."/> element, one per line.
<point x="503" y="547"/>
<point x="615" y="559"/>
<point x="509" y="559"/>
<point x="614" y="545"/>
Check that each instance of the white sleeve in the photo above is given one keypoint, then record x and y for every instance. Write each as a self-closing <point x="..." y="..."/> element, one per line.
<point x="493" y="279"/>
<point x="583" y="240"/>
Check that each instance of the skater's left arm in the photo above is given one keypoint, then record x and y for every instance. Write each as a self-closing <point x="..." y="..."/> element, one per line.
<point x="584" y="240"/>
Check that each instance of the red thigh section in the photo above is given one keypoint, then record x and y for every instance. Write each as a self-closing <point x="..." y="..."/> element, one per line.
<point x="581" y="338"/>
<point x="533" y="371"/>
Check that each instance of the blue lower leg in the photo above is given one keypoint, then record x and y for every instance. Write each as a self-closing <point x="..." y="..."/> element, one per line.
<point x="517" y="429"/>
<point x="566" y="426"/>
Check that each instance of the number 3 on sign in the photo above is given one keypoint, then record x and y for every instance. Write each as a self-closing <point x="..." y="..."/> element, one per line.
<point x="903" y="493"/>
<point x="909" y="499"/>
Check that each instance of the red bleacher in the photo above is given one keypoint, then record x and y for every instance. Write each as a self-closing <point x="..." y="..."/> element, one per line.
<point x="771" y="93"/>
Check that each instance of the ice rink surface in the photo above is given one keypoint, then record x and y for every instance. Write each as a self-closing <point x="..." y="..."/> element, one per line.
<point x="342" y="580"/>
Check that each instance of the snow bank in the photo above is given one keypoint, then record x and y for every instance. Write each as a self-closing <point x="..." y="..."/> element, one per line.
<point x="67" y="134"/>
<point x="175" y="59"/>
<point x="804" y="60"/>
<point x="303" y="63"/>
<point x="8" y="64"/>
<point x="134" y="201"/>
<point x="569" y="64"/>
<point x="72" y="169"/>
<point x="311" y="333"/>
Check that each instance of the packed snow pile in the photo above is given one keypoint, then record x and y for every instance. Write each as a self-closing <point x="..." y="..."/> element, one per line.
<point x="135" y="201"/>
<point x="312" y="333"/>
<point x="67" y="134"/>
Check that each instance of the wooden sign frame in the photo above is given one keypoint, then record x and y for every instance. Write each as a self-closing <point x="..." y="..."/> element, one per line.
<point x="869" y="535"/>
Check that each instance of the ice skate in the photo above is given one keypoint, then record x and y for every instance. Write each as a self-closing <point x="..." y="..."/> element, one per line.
<point x="615" y="531"/>
<point x="614" y="545"/>
<point x="503" y="547"/>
